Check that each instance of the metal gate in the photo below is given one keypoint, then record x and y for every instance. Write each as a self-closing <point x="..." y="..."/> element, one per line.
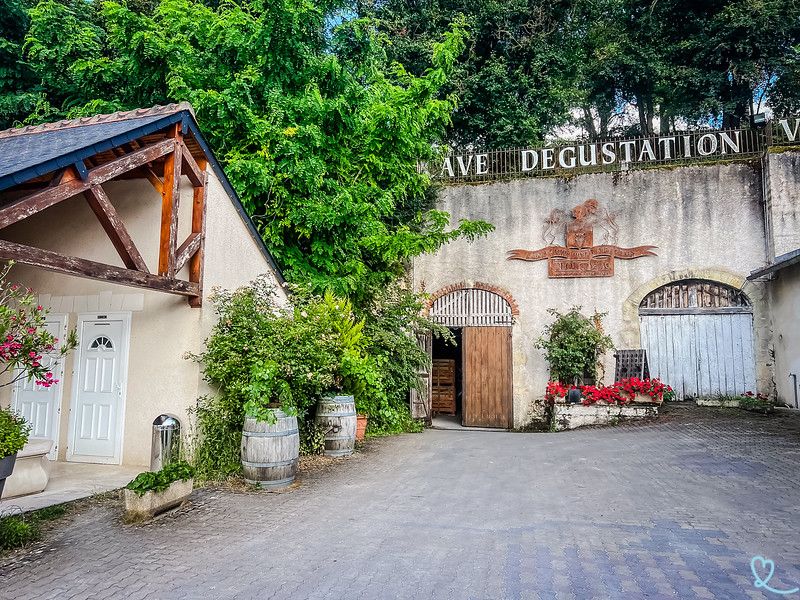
<point x="699" y="338"/>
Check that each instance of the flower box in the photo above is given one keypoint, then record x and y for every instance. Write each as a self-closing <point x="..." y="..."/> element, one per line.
<point x="151" y="503"/>
<point x="646" y="399"/>
<point x="573" y="416"/>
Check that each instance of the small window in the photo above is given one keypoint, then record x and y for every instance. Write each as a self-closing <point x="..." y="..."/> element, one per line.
<point x="101" y="343"/>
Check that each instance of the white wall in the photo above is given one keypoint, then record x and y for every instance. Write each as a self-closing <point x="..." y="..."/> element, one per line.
<point x="159" y="378"/>
<point x="707" y="222"/>
<point x="785" y="301"/>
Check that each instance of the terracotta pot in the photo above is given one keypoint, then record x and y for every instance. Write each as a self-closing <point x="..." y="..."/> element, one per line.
<point x="361" y="426"/>
<point x="6" y="468"/>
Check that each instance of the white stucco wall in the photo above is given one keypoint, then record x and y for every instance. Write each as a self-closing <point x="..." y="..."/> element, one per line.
<point x="783" y="214"/>
<point x="785" y="301"/>
<point x="707" y="222"/>
<point x="159" y="379"/>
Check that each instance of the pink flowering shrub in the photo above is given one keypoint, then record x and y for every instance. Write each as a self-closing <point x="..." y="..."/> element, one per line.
<point x="24" y="341"/>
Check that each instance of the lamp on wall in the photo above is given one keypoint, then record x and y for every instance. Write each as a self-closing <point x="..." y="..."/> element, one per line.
<point x="758" y="120"/>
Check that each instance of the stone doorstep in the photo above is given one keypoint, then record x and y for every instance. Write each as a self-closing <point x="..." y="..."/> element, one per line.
<point x="31" y="470"/>
<point x="152" y="503"/>
<point x="717" y="403"/>
<point x="572" y="416"/>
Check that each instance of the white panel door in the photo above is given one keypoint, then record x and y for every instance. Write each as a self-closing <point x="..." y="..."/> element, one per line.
<point x="701" y="354"/>
<point x="98" y="401"/>
<point x="39" y="405"/>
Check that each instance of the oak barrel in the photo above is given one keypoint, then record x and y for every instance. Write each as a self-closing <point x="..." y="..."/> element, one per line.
<point x="270" y="451"/>
<point x="336" y="416"/>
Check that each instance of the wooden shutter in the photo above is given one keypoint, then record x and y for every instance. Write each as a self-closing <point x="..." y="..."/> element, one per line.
<point x="421" y="402"/>
<point x="487" y="393"/>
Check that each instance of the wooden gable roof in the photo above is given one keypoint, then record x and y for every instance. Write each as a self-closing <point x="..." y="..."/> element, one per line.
<point x="52" y="162"/>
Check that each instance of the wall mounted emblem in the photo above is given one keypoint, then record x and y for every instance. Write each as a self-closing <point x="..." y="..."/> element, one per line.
<point x="579" y="257"/>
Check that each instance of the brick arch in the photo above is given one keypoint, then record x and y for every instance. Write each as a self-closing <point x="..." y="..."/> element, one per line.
<point x="473" y="286"/>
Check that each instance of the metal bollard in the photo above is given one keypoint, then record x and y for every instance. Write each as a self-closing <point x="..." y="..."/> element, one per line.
<point x="166" y="445"/>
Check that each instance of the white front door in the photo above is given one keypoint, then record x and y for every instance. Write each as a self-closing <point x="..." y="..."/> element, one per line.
<point x="39" y="405"/>
<point x="99" y="389"/>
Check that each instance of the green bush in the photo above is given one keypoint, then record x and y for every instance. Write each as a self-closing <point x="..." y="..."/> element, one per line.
<point x="160" y="480"/>
<point x="572" y="344"/>
<point x="14" y="432"/>
<point x="17" y="530"/>
<point x="261" y="355"/>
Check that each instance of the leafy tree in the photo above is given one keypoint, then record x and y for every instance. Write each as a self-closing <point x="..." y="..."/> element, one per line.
<point x="319" y="136"/>
<point x="514" y="78"/>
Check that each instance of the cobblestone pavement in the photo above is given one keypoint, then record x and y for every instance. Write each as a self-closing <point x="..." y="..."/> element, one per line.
<point x="675" y="508"/>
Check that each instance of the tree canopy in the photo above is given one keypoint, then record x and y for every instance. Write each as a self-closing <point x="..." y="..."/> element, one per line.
<point x="319" y="133"/>
<point x="608" y="67"/>
<point x="320" y="110"/>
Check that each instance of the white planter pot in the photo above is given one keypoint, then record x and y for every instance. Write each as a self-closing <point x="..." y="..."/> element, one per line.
<point x="152" y="503"/>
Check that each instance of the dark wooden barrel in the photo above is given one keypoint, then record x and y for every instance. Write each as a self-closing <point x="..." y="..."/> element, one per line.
<point x="269" y="452"/>
<point x="336" y="415"/>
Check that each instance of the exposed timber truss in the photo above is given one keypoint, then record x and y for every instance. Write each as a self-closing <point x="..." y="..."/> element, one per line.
<point x="162" y="159"/>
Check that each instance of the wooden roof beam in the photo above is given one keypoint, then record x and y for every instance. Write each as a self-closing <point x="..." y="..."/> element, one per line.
<point x="79" y="267"/>
<point x="115" y="228"/>
<point x="193" y="171"/>
<point x="168" y="239"/>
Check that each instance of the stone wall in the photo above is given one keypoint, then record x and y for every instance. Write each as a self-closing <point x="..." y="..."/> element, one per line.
<point x="573" y="416"/>
<point x="708" y="222"/>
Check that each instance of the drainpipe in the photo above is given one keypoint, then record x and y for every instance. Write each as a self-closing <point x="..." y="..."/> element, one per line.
<point x="794" y="375"/>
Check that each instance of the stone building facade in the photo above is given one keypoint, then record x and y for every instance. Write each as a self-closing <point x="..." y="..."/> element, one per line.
<point x="665" y="252"/>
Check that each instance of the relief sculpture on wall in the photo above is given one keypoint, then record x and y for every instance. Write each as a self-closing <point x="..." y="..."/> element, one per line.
<point x="579" y="257"/>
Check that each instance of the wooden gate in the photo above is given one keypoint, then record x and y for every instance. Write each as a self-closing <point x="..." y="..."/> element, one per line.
<point x="487" y="395"/>
<point x="699" y="338"/>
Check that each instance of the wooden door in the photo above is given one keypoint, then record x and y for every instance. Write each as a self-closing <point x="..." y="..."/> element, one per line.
<point x="701" y="354"/>
<point x="487" y="390"/>
<point x="443" y="386"/>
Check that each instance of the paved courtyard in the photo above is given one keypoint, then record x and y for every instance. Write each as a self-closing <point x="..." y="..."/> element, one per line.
<point x="671" y="509"/>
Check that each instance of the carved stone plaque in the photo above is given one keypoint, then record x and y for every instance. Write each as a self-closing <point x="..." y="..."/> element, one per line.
<point x="579" y="258"/>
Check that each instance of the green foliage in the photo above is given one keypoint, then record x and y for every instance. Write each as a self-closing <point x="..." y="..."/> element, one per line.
<point x="514" y="77"/>
<point x="218" y="437"/>
<point x="319" y="134"/>
<point x="573" y="344"/>
<point x="14" y="432"/>
<point x="391" y="322"/>
<point x="22" y="529"/>
<point x="16" y="531"/>
<point x="161" y="480"/>
<point x="261" y="354"/>
<point x="312" y="438"/>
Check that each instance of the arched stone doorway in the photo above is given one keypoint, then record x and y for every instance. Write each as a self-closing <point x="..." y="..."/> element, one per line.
<point x="474" y="378"/>
<point x="699" y="338"/>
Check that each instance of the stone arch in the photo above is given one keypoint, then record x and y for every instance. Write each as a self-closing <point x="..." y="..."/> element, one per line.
<point x="753" y="291"/>
<point x="630" y="308"/>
